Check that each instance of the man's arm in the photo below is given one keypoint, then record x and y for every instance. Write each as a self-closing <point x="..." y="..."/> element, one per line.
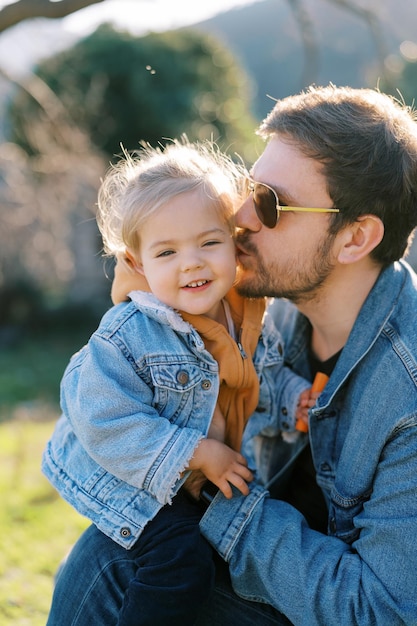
<point x="316" y="579"/>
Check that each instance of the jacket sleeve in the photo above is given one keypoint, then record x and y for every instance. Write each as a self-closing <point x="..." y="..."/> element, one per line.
<point x="317" y="579"/>
<point x="110" y="409"/>
<point x="288" y="389"/>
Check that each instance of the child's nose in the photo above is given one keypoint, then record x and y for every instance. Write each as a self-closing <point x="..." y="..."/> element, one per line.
<point x="191" y="261"/>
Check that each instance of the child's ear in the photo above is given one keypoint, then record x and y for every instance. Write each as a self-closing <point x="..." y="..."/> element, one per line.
<point x="134" y="262"/>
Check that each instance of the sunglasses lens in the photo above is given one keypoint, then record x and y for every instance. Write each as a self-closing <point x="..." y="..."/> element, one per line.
<point x="265" y="205"/>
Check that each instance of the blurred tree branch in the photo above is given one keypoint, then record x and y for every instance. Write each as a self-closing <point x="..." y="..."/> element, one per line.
<point x="310" y="42"/>
<point x="371" y="19"/>
<point x="12" y="14"/>
<point x="20" y="10"/>
<point x="48" y="236"/>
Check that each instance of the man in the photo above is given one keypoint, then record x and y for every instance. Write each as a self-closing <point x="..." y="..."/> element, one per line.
<point x="337" y="543"/>
<point x="355" y="151"/>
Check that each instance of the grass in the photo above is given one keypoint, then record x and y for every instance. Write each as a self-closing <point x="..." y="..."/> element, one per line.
<point x="37" y="528"/>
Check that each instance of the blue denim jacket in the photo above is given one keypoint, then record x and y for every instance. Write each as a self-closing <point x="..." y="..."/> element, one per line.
<point x="136" y="401"/>
<point x="363" y="434"/>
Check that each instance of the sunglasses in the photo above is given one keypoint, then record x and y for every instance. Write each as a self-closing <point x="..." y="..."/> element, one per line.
<point x="268" y="207"/>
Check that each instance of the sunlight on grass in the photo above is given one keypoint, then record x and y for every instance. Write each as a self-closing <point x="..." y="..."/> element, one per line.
<point x="37" y="528"/>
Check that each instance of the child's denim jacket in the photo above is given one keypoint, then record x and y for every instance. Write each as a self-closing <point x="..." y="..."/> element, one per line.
<point x="134" y="411"/>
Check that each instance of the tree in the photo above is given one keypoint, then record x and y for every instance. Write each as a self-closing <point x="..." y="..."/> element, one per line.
<point x="49" y="242"/>
<point x="17" y="12"/>
<point x="110" y="88"/>
<point x="25" y="9"/>
<point x="125" y="89"/>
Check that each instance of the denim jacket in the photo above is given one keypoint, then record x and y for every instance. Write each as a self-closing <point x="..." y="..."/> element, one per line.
<point x="136" y="401"/>
<point x="363" y="435"/>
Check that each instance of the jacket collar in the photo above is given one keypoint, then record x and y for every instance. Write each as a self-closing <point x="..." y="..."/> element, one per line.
<point x="373" y="316"/>
<point x="162" y="313"/>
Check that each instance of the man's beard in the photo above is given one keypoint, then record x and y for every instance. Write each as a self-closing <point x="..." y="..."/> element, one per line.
<point x="297" y="279"/>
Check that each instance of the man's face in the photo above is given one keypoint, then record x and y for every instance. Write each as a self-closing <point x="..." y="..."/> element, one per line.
<point x="294" y="259"/>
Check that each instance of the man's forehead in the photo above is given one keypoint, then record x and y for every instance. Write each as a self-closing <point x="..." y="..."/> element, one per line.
<point x="284" y="160"/>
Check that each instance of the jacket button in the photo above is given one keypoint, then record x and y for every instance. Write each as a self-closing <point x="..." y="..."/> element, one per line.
<point x="284" y="410"/>
<point x="182" y="377"/>
<point x="125" y="532"/>
<point x="206" y="384"/>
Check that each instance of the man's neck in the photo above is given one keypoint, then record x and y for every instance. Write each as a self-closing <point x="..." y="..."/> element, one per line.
<point x="333" y="312"/>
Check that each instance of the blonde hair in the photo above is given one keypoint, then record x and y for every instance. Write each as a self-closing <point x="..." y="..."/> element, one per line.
<point x="145" y="180"/>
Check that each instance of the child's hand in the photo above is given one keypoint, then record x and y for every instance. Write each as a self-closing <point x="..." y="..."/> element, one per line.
<point x="222" y="466"/>
<point x="306" y="401"/>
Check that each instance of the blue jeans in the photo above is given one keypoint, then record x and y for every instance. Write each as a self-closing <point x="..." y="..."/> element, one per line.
<point x="97" y="585"/>
<point x="164" y="579"/>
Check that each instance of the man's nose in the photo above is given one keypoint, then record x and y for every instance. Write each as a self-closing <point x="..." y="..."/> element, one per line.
<point x="246" y="217"/>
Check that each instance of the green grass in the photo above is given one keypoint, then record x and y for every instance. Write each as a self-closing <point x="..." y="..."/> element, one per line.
<point x="37" y="528"/>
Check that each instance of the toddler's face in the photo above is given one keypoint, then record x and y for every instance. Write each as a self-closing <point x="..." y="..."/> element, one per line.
<point x="188" y="255"/>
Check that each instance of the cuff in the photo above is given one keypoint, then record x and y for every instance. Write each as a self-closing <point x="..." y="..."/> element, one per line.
<point x="225" y="520"/>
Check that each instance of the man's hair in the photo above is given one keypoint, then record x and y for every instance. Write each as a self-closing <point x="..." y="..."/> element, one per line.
<point x="366" y="142"/>
<point x="142" y="182"/>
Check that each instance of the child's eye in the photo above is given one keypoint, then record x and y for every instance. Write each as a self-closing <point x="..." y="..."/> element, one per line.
<point x="212" y="242"/>
<point x="164" y="253"/>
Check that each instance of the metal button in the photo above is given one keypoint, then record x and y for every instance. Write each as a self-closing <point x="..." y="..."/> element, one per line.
<point x="284" y="410"/>
<point x="125" y="532"/>
<point x="206" y="384"/>
<point x="182" y="377"/>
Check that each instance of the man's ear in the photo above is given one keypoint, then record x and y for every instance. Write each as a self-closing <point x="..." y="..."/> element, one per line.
<point x="360" y="238"/>
<point x="133" y="262"/>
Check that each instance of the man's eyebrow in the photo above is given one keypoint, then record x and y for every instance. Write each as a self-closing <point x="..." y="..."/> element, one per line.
<point x="283" y="194"/>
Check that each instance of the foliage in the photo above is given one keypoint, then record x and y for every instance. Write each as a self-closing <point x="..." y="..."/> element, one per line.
<point x="407" y="81"/>
<point x="48" y="237"/>
<point x="37" y="528"/>
<point x="123" y="89"/>
<point x="33" y="358"/>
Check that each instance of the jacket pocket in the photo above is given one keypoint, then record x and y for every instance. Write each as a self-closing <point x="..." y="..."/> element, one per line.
<point x="180" y="377"/>
<point x="181" y="390"/>
<point x="342" y="512"/>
